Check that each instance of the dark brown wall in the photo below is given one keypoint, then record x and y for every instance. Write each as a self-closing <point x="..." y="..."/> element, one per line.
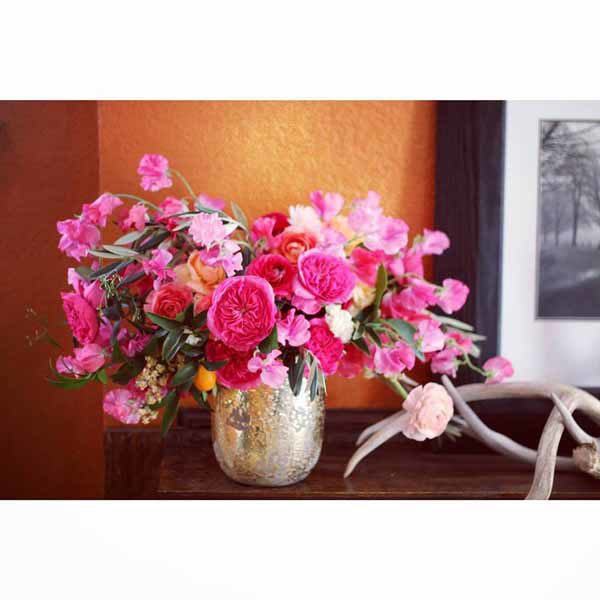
<point x="51" y="440"/>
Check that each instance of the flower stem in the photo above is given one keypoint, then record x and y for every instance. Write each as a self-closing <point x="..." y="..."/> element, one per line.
<point x="184" y="181"/>
<point x="138" y="199"/>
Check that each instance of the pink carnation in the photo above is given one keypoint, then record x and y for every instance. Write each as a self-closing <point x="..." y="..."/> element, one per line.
<point x="497" y="369"/>
<point x="235" y="374"/>
<point x="243" y="311"/>
<point x="99" y="210"/>
<point x="81" y="317"/>
<point x="328" y="348"/>
<point x="277" y="270"/>
<point x="322" y="279"/>
<point x="124" y="406"/>
<point x="207" y="229"/>
<point x="86" y="359"/>
<point x="272" y="371"/>
<point x="154" y="170"/>
<point x="395" y="360"/>
<point x="77" y="237"/>
<point x="327" y="205"/>
<point x="452" y="295"/>
<point x="136" y="218"/>
<point x="293" y="329"/>
<point x="429" y="410"/>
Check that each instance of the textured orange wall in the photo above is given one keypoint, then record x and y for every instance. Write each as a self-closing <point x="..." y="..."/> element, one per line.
<point x="266" y="155"/>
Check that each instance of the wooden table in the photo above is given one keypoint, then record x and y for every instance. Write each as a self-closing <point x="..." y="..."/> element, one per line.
<point x="140" y="465"/>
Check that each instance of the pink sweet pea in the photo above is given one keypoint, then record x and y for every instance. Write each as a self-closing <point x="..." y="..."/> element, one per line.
<point x="86" y="359"/>
<point x="327" y="205"/>
<point x="207" y="229"/>
<point x="459" y="340"/>
<point x="157" y="266"/>
<point x="136" y="218"/>
<point x="452" y="296"/>
<point x="391" y="361"/>
<point x="90" y="291"/>
<point x="99" y="210"/>
<point x="171" y="206"/>
<point x="154" y="170"/>
<point x="272" y="371"/>
<point x="418" y="295"/>
<point x="77" y="237"/>
<point x="365" y="264"/>
<point x="293" y="329"/>
<point x="366" y="213"/>
<point x="390" y="235"/>
<point x="226" y="255"/>
<point x="446" y="361"/>
<point x="214" y="203"/>
<point x="413" y="263"/>
<point x="429" y="337"/>
<point x="432" y="242"/>
<point x="497" y="369"/>
<point x="262" y="229"/>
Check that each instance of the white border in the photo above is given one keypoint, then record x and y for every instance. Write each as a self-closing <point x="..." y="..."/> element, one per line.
<point x="559" y="350"/>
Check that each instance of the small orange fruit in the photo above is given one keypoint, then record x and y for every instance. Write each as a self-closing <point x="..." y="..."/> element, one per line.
<point x="205" y="380"/>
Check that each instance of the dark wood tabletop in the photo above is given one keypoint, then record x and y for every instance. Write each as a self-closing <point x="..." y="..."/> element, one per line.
<point x="140" y="465"/>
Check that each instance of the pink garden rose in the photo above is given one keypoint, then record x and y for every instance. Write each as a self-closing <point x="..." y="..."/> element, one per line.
<point x="497" y="369"/>
<point x="327" y="204"/>
<point x="325" y="346"/>
<point x="243" y="312"/>
<point x="123" y="405"/>
<point x="86" y="359"/>
<point x="322" y="279"/>
<point x="272" y="371"/>
<point x="277" y="270"/>
<point x="391" y="361"/>
<point x="429" y="410"/>
<point x="99" y="210"/>
<point x="81" y="317"/>
<point x="77" y="238"/>
<point x="154" y="170"/>
<point x="169" y="300"/>
<point x="293" y="329"/>
<point x="452" y="296"/>
<point x="235" y="374"/>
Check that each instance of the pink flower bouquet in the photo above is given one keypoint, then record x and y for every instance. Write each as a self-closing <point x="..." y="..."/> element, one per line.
<point x="191" y="297"/>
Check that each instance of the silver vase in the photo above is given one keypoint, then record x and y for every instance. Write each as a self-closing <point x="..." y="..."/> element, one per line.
<point x="267" y="437"/>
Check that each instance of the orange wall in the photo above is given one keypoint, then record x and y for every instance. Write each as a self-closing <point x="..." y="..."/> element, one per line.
<point x="266" y="155"/>
<point x="51" y="440"/>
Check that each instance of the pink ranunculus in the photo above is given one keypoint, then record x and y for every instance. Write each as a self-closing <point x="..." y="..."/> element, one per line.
<point x="157" y="266"/>
<point x="81" y="317"/>
<point x="446" y="362"/>
<point x="293" y="329"/>
<point x="452" y="296"/>
<point x="391" y="361"/>
<point x="293" y="242"/>
<point x="325" y="346"/>
<point x="207" y="229"/>
<point x="418" y="295"/>
<point x="429" y="337"/>
<point x="99" y="210"/>
<point x="365" y="214"/>
<point x="136" y="218"/>
<point x="77" y="237"/>
<point x="272" y="371"/>
<point x="391" y="236"/>
<point x="365" y="264"/>
<point x="124" y="406"/>
<point x="353" y="362"/>
<point x="235" y="374"/>
<point x="87" y="359"/>
<point x="243" y="312"/>
<point x="433" y="242"/>
<point x="277" y="270"/>
<point x="90" y="291"/>
<point x="429" y="409"/>
<point x="327" y="204"/>
<point x="154" y="170"/>
<point x="322" y="279"/>
<point x="214" y="203"/>
<point x="169" y="300"/>
<point x="497" y="369"/>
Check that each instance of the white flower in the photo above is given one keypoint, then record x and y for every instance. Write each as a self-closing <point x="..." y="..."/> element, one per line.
<point x="340" y="322"/>
<point x="305" y="217"/>
<point x="362" y="296"/>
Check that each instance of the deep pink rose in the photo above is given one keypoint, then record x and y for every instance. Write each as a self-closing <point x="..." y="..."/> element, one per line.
<point x="429" y="410"/>
<point x="325" y="346"/>
<point x="235" y="375"/>
<point x="277" y="270"/>
<point x="81" y="317"/>
<point x="243" y="311"/>
<point x="322" y="279"/>
<point x="170" y="300"/>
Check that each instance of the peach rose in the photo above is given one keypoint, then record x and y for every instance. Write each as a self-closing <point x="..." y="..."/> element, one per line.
<point x="428" y="411"/>
<point x="199" y="277"/>
<point x="293" y="242"/>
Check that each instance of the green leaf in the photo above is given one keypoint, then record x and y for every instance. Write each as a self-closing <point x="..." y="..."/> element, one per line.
<point x="184" y="375"/>
<point x="132" y="278"/>
<point x="102" y="376"/>
<point x="69" y="384"/>
<point x="239" y="215"/>
<point x="270" y="342"/>
<point x="295" y="375"/>
<point x="405" y="330"/>
<point x="84" y="271"/>
<point x="163" y="322"/>
<point x="454" y="323"/>
<point x="214" y="366"/>
<point x="154" y="241"/>
<point x="109" y="269"/>
<point x="199" y="320"/>
<point x="101" y="254"/>
<point x="171" y="401"/>
<point x="362" y="346"/>
<point x="129" y="238"/>
<point x="172" y="344"/>
<point x="120" y="251"/>
<point x="381" y="286"/>
<point x="200" y="398"/>
<point x="375" y="337"/>
<point x="129" y="371"/>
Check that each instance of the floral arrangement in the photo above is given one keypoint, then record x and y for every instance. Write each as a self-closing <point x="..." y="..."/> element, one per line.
<point x="190" y="298"/>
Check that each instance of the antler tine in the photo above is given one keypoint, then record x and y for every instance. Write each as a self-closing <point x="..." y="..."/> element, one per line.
<point x="376" y="427"/>
<point x="571" y="425"/>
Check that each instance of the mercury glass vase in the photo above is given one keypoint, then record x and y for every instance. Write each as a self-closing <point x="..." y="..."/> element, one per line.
<point x="267" y="437"/>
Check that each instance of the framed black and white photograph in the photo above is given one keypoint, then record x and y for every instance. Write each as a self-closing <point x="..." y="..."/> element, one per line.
<point x="518" y="190"/>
